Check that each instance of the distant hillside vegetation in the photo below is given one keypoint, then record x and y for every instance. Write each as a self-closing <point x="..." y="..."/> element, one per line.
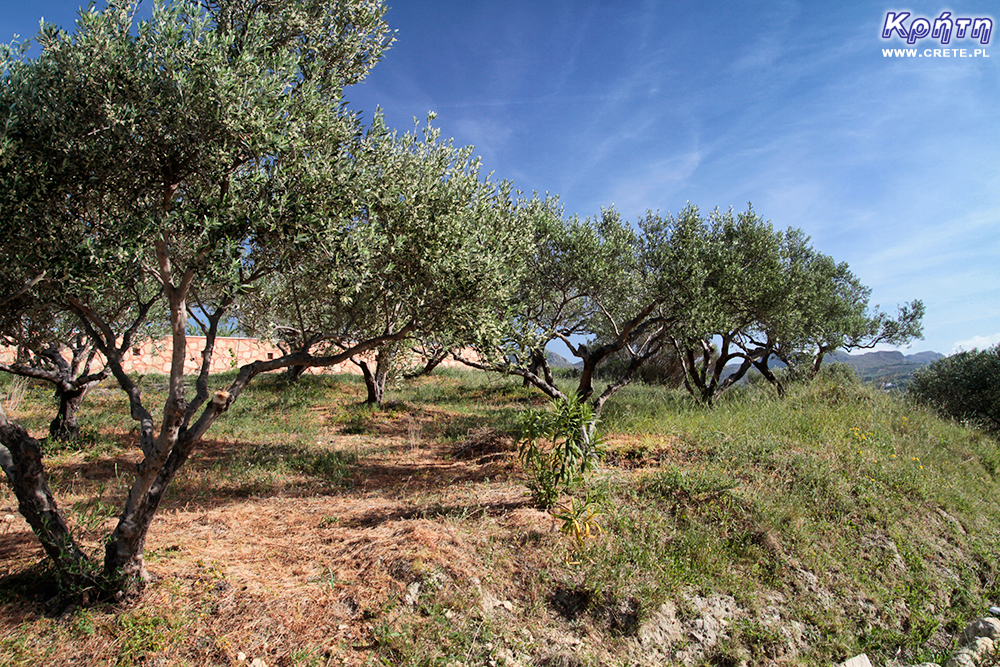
<point x="885" y="368"/>
<point x="882" y="368"/>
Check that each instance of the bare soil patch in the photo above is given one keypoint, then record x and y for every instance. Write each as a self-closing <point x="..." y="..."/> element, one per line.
<point x="299" y="569"/>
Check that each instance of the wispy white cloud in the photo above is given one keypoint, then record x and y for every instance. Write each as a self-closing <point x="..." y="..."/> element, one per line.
<point x="889" y="164"/>
<point x="633" y="192"/>
<point x="487" y="133"/>
<point x="976" y="342"/>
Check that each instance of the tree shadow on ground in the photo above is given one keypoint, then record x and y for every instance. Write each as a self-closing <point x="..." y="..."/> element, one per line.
<point x="223" y="471"/>
<point x="436" y="511"/>
<point x="15" y="545"/>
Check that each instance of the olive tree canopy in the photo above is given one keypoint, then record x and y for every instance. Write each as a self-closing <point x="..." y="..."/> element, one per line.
<point x="756" y="293"/>
<point x="434" y="247"/>
<point x="595" y="279"/>
<point x="191" y="158"/>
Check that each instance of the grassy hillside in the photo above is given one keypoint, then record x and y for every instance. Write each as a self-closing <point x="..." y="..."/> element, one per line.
<point x="310" y="530"/>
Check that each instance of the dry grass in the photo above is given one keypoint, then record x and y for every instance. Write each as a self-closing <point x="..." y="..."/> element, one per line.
<point x="262" y="555"/>
<point x="309" y="530"/>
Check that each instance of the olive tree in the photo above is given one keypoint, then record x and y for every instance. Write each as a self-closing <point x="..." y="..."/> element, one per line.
<point x="756" y="293"/>
<point x="441" y="247"/>
<point x="52" y="346"/>
<point x="594" y="279"/>
<point x="736" y="286"/>
<point x="831" y="311"/>
<point x="233" y="162"/>
<point x="195" y="151"/>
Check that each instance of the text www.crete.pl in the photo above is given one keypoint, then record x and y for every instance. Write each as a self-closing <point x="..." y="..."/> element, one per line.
<point x="935" y="53"/>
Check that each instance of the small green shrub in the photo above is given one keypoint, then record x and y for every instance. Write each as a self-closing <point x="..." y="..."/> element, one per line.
<point x="557" y="447"/>
<point x="965" y="386"/>
<point x="579" y="521"/>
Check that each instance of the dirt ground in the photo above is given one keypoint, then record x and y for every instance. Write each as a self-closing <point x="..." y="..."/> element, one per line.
<point x="295" y="572"/>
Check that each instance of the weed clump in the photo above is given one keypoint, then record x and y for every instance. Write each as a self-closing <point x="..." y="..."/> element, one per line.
<point x="558" y="447"/>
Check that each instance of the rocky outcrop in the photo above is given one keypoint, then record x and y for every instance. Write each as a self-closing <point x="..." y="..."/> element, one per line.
<point x="979" y="644"/>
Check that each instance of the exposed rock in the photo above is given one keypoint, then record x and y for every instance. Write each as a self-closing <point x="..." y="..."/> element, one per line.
<point x="981" y="648"/>
<point x="491" y="602"/>
<point x="984" y="627"/>
<point x="963" y="657"/>
<point x="669" y="636"/>
<point x="858" y="661"/>
<point x="791" y="632"/>
<point x="412" y="594"/>
<point x="662" y="629"/>
<point x="972" y="654"/>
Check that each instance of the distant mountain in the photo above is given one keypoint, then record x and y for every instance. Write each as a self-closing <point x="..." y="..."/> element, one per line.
<point x="884" y="368"/>
<point x="559" y="361"/>
<point x="924" y="357"/>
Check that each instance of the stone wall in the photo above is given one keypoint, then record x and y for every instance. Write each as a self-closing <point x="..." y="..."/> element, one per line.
<point x="229" y="353"/>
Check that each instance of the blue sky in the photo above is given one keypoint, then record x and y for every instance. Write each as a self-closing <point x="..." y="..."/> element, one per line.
<point x="889" y="163"/>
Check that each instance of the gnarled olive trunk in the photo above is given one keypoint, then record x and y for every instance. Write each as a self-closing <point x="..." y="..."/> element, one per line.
<point x="293" y="373"/>
<point x="433" y="362"/>
<point x="66" y="425"/>
<point x="539" y="367"/>
<point x="71" y="378"/>
<point x="374" y="381"/>
<point x="124" y="564"/>
<point x="21" y="460"/>
<point x="762" y="367"/>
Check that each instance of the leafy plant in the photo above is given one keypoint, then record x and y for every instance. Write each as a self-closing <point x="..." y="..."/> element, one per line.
<point x="558" y="447"/>
<point x="579" y="521"/>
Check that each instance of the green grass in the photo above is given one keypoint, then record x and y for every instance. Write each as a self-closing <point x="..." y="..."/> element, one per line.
<point x="869" y="522"/>
<point x="764" y="486"/>
<point x="851" y="486"/>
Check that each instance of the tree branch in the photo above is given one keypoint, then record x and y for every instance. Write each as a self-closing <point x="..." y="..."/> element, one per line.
<point x="24" y="288"/>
